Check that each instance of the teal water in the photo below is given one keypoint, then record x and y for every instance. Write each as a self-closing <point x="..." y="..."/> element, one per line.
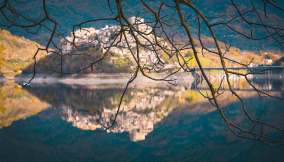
<point x="70" y="129"/>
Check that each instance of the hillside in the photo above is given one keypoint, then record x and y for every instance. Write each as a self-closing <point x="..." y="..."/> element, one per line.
<point x="77" y="64"/>
<point x="244" y="57"/>
<point x="16" y="53"/>
<point x="91" y="43"/>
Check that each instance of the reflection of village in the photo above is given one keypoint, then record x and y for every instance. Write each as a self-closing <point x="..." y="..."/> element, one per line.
<point x="138" y="115"/>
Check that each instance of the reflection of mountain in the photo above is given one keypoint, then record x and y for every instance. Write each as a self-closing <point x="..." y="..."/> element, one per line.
<point x="91" y="109"/>
<point x="16" y="103"/>
<point x="182" y="136"/>
<point x="138" y="117"/>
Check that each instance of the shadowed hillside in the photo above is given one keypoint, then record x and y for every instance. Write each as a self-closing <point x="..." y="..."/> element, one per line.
<point x="77" y="64"/>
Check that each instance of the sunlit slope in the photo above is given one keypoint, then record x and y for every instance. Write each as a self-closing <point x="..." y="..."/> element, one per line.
<point x="16" y="53"/>
<point x="232" y="56"/>
<point x="16" y="57"/>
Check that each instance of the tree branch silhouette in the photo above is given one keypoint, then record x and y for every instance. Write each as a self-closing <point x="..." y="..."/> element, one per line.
<point x="159" y="39"/>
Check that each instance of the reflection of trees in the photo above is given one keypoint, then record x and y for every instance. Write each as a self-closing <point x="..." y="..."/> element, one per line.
<point x="79" y="98"/>
<point x="269" y="81"/>
<point x="16" y="103"/>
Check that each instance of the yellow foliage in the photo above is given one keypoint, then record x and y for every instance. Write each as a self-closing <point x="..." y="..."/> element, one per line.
<point x="15" y="53"/>
<point x="16" y="103"/>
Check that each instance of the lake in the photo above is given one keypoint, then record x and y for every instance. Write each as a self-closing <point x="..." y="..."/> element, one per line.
<point x="66" y="121"/>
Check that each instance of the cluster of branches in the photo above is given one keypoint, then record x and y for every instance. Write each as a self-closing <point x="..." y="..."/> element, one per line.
<point x="164" y="17"/>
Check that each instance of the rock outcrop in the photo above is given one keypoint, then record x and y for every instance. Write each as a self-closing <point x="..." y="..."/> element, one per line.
<point x="111" y="39"/>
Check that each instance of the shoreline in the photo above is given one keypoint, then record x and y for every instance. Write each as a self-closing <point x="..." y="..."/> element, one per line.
<point x="100" y="79"/>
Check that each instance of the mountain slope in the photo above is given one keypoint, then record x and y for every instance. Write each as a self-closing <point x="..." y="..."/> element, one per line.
<point x="16" y="53"/>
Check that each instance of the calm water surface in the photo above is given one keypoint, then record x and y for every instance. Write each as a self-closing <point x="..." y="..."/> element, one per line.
<point x="60" y="122"/>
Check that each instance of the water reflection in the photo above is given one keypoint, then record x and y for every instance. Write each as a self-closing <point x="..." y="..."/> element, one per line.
<point x="167" y="124"/>
<point x="95" y="107"/>
<point x="89" y="108"/>
<point x="16" y="103"/>
<point x="266" y="80"/>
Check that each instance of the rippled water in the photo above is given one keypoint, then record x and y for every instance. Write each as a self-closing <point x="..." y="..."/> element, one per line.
<point x="66" y="122"/>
